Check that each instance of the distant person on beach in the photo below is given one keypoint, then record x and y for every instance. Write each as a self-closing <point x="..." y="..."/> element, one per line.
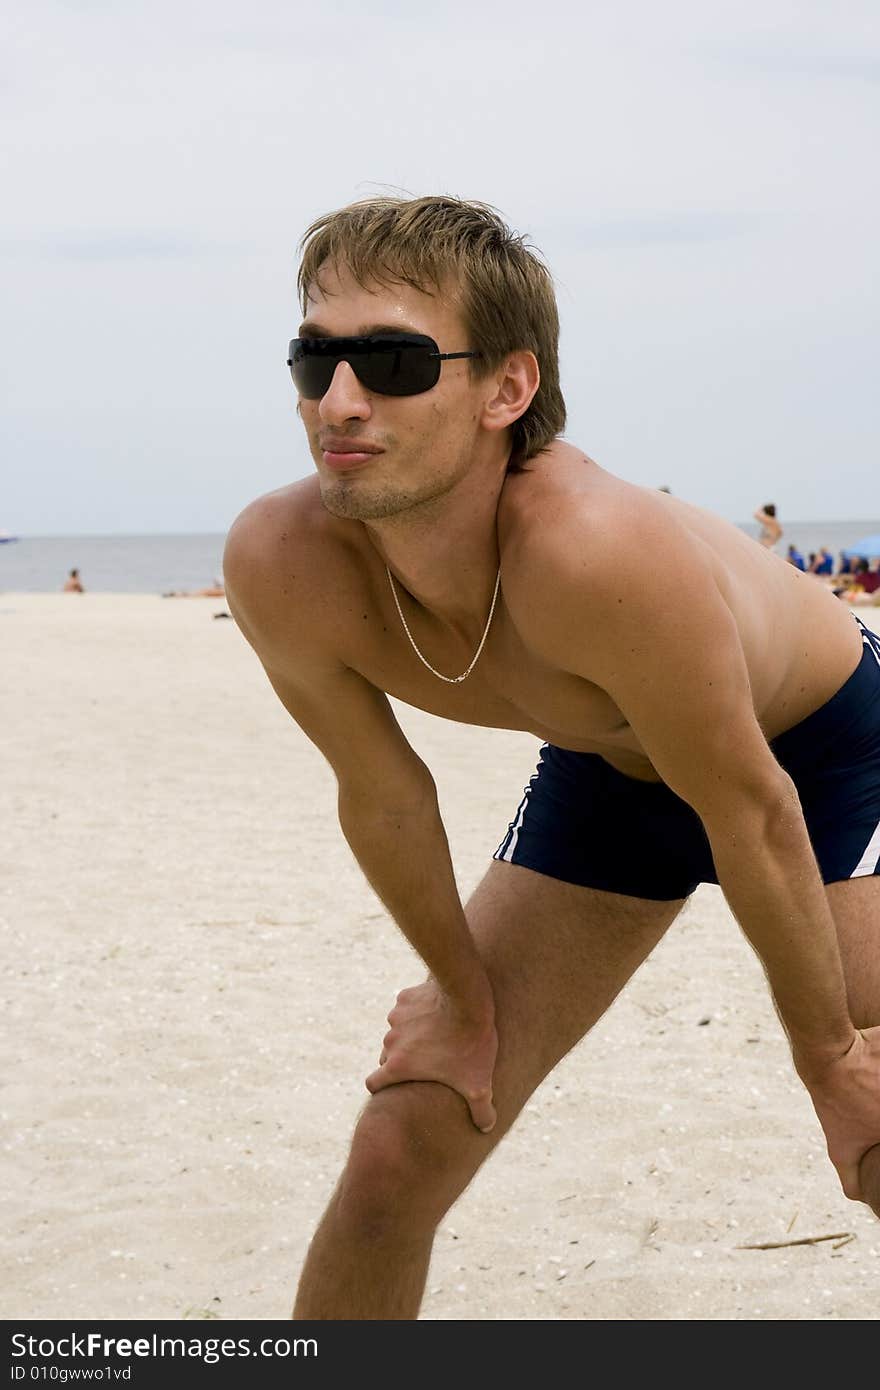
<point x="215" y="590"/>
<point x="822" y="563"/>
<point x="794" y="557"/>
<point x="453" y="552"/>
<point x="849" y="563"/>
<point x="771" y="531"/>
<point x="862" y="586"/>
<point x="73" y="583"/>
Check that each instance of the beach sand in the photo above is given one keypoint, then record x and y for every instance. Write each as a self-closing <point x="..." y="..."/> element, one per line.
<point x="197" y="978"/>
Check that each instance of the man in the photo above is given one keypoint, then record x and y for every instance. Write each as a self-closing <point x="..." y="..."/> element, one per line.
<point x="822" y="563"/>
<point x="794" y="557"/>
<point x="454" y="553"/>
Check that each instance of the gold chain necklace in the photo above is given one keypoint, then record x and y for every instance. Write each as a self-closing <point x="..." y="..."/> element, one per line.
<point x="450" y="680"/>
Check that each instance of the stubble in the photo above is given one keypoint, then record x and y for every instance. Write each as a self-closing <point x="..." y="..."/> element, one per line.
<point x="361" y="499"/>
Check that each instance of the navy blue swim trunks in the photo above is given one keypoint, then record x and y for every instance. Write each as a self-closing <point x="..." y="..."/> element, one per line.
<point x="584" y="822"/>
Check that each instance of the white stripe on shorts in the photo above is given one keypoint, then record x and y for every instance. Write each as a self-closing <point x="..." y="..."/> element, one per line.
<point x="872" y="642"/>
<point x="512" y="835"/>
<point x="868" y="862"/>
<point x="870" y="639"/>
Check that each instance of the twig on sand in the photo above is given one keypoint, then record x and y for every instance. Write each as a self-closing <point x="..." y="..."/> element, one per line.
<point x="804" y="1240"/>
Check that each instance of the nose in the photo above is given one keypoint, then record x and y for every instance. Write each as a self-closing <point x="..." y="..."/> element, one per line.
<point x="345" y="398"/>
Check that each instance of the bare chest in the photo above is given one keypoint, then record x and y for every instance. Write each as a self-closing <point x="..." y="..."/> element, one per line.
<point x="508" y="688"/>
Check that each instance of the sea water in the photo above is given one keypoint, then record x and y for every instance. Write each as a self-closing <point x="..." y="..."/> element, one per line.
<point x="111" y="564"/>
<point x="160" y="563"/>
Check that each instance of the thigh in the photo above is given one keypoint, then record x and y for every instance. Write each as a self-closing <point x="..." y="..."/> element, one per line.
<point x="557" y="955"/>
<point x="855" y="906"/>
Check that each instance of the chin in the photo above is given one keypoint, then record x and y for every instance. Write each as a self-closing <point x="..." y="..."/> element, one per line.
<point x="355" y="503"/>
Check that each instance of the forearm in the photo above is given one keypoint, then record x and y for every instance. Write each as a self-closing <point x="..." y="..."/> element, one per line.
<point x="769" y="875"/>
<point x="402" y="848"/>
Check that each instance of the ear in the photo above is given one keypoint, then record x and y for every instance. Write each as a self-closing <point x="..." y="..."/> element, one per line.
<point x="511" y="389"/>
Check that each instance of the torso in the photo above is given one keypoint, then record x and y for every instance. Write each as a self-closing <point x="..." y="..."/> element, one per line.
<point x="799" y="641"/>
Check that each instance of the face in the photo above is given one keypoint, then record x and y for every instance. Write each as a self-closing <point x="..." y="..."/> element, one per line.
<point x="380" y="456"/>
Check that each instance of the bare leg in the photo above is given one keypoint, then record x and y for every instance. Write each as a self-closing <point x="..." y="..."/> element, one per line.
<point x="557" y="956"/>
<point x="856" y="908"/>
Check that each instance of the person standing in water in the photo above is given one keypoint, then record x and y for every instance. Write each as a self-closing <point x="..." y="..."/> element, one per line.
<point x="771" y="531"/>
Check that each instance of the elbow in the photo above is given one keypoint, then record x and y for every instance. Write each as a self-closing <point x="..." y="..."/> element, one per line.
<point x="763" y="815"/>
<point x="406" y="796"/>
<point x="782" y="816"/>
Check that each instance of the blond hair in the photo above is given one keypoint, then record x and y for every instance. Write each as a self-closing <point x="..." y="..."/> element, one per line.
<point x="504" y="292"/>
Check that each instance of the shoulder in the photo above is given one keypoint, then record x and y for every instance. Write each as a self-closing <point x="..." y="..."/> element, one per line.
<point x="591" y="555"/>
<point x="587" y="528"/>
<point x="284" y="561"/>
<point x="260" y="532"/>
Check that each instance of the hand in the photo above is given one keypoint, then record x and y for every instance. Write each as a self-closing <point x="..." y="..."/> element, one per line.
<point x="846" y="1097"/>
<point x="432" y="1038"/>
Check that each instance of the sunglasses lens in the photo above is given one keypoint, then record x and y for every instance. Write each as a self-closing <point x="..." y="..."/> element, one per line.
<point x="400" y="368"/>
<point x="394" y="364"/>
<point x="311" y="370"/>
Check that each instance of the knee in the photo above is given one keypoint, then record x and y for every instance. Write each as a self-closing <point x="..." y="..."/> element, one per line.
<point x="414" y="1150"/>
<point x="869" y="1178"/>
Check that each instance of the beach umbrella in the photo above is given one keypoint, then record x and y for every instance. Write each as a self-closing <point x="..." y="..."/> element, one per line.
<point x="869" y="546"/>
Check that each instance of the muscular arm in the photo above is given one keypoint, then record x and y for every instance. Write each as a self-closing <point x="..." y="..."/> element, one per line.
<point x="665" y="646"/>
<point x="663" y="643"/>
<point x="388" y="811"/>
<point x="696" y="724"/>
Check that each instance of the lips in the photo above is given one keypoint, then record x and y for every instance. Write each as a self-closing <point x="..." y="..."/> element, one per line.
<point x="347" y="453"/>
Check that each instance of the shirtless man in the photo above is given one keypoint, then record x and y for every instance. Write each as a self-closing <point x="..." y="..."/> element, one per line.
<point x="454" y="553"/>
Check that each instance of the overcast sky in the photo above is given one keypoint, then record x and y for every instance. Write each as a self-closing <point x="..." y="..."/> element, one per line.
<point x="700" y="177"/>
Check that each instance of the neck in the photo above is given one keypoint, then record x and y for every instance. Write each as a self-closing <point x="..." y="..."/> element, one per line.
<point x="445" y="554"/>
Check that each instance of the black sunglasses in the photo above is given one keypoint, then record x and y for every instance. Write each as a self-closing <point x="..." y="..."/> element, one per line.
<point x="392" y="364"/>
